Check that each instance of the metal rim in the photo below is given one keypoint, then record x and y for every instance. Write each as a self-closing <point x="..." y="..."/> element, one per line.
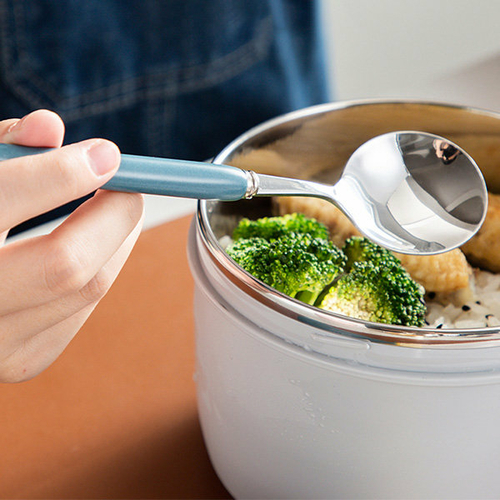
<point x="325" y="320"/>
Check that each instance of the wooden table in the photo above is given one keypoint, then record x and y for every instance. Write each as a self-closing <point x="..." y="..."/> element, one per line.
<point x="115" y="416"/>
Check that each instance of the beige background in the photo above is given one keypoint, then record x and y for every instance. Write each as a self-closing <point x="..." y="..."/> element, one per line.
<point x="431" y="49"/>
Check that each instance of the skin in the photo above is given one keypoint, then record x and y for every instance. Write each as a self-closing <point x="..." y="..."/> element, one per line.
<point x="49" y="285"/>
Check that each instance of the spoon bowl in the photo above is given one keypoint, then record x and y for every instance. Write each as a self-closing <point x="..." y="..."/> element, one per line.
<point x="411" y="192"/>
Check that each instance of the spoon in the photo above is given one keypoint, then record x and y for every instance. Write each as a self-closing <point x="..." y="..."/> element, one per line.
<point x="411" y="192"/>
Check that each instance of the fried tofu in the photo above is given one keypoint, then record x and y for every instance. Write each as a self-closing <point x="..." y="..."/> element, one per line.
<point x="483" y="249"/>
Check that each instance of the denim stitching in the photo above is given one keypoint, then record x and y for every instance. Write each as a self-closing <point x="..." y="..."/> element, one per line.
<point x="24" y="56"/>
<point x="160" y="114"/>
<point x="128" y="92"/>
<point x="6" y="58"/>
<point x="24" y="92"/>
<point x="19" y="8"/>
<point x="171" y="83"/>
<point x="149" y="88"/>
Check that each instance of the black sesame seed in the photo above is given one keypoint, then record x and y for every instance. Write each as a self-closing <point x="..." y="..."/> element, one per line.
<point x="465" y="307"/>
<point x="478" y="302"/>
<point x="440" y="325"/>
<point x="431" y="295"/>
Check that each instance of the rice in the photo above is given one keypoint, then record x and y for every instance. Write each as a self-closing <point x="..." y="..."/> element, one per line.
<point x="477" y="309"/>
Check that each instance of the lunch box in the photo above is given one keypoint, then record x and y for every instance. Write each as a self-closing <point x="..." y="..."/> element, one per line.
<point x="297" y="402"/>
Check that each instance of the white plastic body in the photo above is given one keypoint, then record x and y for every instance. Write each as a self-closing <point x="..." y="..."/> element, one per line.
<point x="289" y="413"/>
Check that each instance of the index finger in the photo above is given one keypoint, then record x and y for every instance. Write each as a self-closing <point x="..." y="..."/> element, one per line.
<point x="32" y="185"/>
<point x="41" y="128"/>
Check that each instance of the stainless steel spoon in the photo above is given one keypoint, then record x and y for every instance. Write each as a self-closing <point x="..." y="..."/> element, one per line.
<point x="411" y="192"/>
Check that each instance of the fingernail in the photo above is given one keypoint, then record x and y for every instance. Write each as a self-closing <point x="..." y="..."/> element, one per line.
<point x="15" y="126"/>
<point x="103" y="156"/>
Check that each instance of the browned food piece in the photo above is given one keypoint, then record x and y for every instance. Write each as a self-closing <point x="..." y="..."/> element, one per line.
<point x="443" y="273"/>
<point x="339" y="226"/>
<point x="483" y="249"/>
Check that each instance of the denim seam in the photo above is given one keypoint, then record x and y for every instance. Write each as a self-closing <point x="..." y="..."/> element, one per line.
<point x="178" y="82"/>
<point x="24" y="56"/>
<point x="7" y="58"/>
<point x="160" y="115"/>
<point x="120" y="95"/>
<point x="148" y="88"/>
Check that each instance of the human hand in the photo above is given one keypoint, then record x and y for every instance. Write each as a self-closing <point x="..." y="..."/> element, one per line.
<point x="50" y="284"/>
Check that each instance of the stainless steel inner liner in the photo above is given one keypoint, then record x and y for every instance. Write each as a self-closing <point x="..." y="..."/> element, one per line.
<point x="315" y="143"/>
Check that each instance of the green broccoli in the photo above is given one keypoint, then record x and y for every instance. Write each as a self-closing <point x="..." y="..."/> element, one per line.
<point x="293" y="254"/>
<point x="275" y="227"/>
<point x="381" y="293"/>
<point x="297" y="264"/>
<point x="360" y="249"/>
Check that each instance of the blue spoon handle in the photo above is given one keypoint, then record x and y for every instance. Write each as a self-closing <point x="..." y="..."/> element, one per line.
<point x="183" y="178"/>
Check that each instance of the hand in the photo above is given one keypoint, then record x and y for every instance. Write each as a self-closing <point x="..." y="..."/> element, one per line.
<point x="49" y="285"/>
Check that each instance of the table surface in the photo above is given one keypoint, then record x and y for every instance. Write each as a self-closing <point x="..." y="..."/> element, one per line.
<point x="115" y="416"/>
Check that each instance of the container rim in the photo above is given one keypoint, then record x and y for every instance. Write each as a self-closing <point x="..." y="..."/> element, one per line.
<point x="326" y="321"/>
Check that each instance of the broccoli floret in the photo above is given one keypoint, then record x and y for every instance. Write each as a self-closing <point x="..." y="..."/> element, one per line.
<point x="292" y="253"/>
<point x="380" y="293"/>
<point x="360" y="249"/>
<point x="296" y="264"/>
<point x="253" y="255"/>
<point x="275" y="227"/>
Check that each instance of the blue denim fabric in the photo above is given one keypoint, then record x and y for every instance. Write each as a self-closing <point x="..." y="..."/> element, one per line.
<point x="173" y="78"/>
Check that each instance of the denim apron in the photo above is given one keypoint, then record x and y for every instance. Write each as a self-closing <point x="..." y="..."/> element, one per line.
<point x="172" y="78"/>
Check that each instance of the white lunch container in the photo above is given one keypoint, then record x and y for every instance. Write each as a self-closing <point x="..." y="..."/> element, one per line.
<point x="296" y="402"/>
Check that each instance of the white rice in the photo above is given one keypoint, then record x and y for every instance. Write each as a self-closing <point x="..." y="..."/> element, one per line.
<point x="479" y="307"/>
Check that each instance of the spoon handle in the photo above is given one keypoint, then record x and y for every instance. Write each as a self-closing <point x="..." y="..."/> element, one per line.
<point x="188" y="179"/>
<point x="183" y="178"/>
